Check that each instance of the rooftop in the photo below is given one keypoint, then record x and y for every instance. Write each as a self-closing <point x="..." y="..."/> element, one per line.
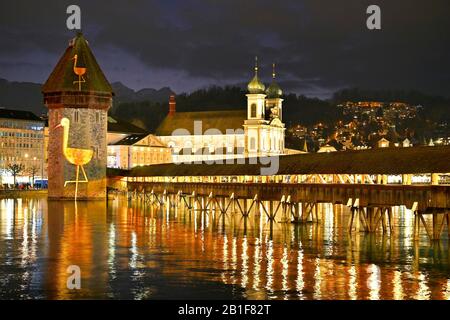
<point x="18" y="115"/>
<point x="130" y="140"/>
<point x="63" y="75"/>
<point x="120" y="126"/>
<point x="221" y="120"/>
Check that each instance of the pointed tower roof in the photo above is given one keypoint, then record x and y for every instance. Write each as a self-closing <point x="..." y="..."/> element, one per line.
<point x="66" y="75"/>
<point x="255" y="85"/>
<point x="274" y="90"/>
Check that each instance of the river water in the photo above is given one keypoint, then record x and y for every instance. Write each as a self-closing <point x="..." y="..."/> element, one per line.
<point x="127" y="250"/>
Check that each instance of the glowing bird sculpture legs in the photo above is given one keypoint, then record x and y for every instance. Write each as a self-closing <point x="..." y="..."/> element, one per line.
<point x="76" y="181"/>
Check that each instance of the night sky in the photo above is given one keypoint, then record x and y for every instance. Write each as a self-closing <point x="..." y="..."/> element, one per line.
<point x="319" y="46"/>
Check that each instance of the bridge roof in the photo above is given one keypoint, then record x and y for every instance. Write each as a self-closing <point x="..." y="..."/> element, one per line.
<point x="374" y="161"/>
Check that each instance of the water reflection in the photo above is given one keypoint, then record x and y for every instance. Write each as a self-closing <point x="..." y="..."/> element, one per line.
<point x="131" y="250"/>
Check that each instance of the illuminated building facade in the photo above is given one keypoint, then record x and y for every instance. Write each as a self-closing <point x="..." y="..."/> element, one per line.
<point x="138" y="150"/>
<point x="21" y="143"/>
<point x="130" y="146"/>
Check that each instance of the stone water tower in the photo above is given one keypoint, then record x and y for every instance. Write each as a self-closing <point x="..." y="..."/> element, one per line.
<point x="77" y="90"/>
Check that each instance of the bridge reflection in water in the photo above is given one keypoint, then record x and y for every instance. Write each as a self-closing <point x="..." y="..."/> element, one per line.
<point x="131" y="249"/>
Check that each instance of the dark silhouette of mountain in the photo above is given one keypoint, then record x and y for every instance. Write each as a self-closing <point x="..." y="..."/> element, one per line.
<point x="27" y="95"/>
<point x="121" y="90"/>
<point x="21" y="96"/>
<point x="125" y="94"/>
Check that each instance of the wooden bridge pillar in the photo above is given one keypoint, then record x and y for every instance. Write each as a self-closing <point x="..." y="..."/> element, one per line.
<point x="370" y="218"/>
<point x="438" y="220"/>
<point x="309" y="210"/>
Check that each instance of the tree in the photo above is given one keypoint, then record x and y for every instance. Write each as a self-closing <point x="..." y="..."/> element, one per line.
<point x="14" y="169"/>
<point x="33" y="170"/>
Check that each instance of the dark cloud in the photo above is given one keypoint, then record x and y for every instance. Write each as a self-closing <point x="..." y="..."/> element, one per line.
<point x="319" y="45"/>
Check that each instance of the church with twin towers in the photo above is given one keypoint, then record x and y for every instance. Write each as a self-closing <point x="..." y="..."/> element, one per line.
<point x="255" y="131"/>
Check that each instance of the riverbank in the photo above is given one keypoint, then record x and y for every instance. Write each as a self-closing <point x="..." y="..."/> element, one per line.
<point x="22" y="193"/>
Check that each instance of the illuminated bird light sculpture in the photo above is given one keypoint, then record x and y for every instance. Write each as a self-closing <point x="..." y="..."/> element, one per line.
<point x="79" y="71"/>
<point x="77" y="157"/>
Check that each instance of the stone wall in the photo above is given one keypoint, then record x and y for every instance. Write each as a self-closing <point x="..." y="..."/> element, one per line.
<point x="89" y="132"/>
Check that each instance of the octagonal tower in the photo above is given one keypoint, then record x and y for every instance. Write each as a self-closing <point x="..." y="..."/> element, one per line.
<point x="78" y="92"/>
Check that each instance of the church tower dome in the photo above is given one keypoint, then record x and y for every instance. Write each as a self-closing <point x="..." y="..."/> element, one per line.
<point x="274" y="90"/>
<point x="255" y="85"/>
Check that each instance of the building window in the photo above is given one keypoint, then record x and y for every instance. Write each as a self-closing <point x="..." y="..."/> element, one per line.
<point x="97" y="116"/>
<point x="253" y="110"/>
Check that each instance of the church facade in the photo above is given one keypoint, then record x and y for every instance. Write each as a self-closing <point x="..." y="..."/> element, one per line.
<point x="255" y="131"/>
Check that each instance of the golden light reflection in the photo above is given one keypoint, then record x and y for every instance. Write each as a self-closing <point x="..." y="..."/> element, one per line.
<point x="225" y="257"/>
<point x="447" y="290"/>
<point x="234" y="258"/>
<point x="25" y="237"/>
<point x="285" y="270"/>
<point x="244" y="258"/>
<point x="328" y="216"/>
<point x="270" y="261"/>
<point x="8" y="216"/>
<point x="423" y="291"/>
<point x="112" y="250"/>
<point x="373" y="282"/>
<point x="300" y="284"/>
<point x="317" y="280"/>
<point x="257" y="264"/>
<point x="353" y="283"/>
<point x="141" y="244"/>
<point x="398" y="288"/>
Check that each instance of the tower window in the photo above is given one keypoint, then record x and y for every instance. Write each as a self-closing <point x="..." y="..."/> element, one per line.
<point x="76" y="116"/>
<point x="96" y="152"/>
<point x="253" y="110"/>
<point x="252" y="143"/>
<point x="97" y="117"/>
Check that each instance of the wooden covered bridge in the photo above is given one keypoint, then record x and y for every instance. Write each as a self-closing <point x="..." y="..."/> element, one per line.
<point x="370" y="182"/>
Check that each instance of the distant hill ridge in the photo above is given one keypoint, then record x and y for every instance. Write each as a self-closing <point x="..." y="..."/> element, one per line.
<point x="27" y="95"/>
<point x="125" y="94"/>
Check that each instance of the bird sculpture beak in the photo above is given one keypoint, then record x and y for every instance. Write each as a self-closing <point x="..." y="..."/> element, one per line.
<point x="58" y="126"/>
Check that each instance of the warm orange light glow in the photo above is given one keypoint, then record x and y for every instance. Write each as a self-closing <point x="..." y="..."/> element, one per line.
<point x="77" y="157"/>
<point x="79" y="72"/>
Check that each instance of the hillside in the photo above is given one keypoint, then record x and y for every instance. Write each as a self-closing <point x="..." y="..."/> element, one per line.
<point x="27" y="95"/>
